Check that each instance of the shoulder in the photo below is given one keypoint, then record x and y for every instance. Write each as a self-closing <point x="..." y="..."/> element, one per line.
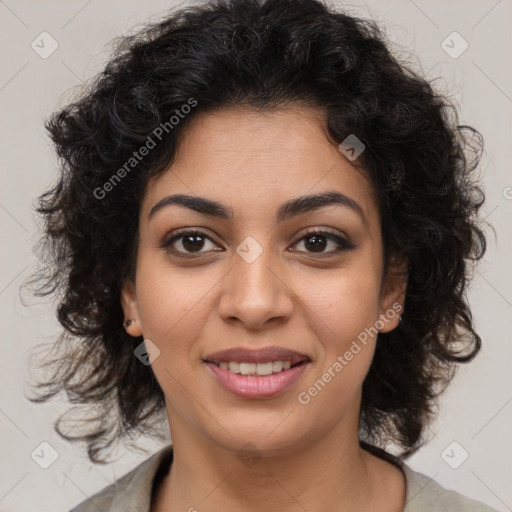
<point x="131" y="492"/>
<point x="426" y="495"/>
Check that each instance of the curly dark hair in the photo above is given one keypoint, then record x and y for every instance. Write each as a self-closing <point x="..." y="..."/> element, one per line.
<point x="263" y="55"/>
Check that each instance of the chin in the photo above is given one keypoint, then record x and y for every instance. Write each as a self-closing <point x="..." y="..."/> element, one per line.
<point x="266" y="435"/>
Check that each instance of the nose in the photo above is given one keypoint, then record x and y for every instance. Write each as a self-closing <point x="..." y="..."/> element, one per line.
<point x="254" y="294"/>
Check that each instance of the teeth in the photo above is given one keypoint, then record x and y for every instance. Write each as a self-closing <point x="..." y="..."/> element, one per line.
<point x="264" y="368"/>
<point x="277" y="366"/>
<point x="256" y="368"/>
<point x="247" y="368"/>
<point x="234" y="367"/>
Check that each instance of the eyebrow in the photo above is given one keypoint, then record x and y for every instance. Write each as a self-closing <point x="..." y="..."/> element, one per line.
<point x="287" y="210"/>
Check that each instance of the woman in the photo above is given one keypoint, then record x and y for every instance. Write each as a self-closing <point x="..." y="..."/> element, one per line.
<point x="264" y="228"/>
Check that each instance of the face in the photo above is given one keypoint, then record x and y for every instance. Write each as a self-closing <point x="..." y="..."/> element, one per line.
<point x="274" y="286"/>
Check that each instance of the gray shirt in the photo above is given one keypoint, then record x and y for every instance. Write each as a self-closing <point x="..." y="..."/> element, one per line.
<point x="132" y="492"/>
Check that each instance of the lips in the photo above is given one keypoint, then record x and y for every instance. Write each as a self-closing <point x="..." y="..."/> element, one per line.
<point x="244" y="373"/>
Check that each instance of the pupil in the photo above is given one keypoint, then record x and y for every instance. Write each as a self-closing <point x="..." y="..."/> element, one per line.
<point x="318" y="243"/>
<point x="189" y="244"/>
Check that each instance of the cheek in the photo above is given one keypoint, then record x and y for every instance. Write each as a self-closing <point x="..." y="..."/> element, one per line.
<point x="345" y="303"/>
<point x="343" y="311"/>
<point x="171" y="303"/>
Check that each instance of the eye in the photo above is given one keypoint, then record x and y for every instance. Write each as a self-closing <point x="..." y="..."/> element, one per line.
<point x="316" y="240"/>
<point x="187" y="243"/>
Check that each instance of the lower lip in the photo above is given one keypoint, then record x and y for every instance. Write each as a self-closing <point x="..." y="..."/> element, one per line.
<point x="266" y="386"/>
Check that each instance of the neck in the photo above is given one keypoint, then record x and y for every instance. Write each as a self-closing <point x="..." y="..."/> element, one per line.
<point x="332" y="474"/>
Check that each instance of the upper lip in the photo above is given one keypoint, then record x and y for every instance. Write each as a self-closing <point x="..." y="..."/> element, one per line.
<point x="262" y="355"/>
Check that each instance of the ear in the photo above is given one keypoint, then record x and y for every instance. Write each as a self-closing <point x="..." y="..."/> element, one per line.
<point x="392" y="300"/>
<point x="131" y="311"/>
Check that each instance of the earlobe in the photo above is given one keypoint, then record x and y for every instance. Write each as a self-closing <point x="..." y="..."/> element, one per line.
<point x="393" y="297"/>
<point x="131" y="321"/>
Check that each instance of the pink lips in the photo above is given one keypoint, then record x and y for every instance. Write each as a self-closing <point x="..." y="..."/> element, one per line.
<point x="257" y="386"/>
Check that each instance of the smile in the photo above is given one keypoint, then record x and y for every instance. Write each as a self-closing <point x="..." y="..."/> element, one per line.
<point x="257" y="374"/>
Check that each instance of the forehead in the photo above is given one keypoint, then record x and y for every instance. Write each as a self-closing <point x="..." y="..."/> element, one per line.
<point x="244" y="158"/>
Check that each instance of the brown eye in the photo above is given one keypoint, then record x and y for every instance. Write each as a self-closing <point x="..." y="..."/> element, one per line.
<point x="317" y="241"/>
<point x="193" y="243"/>
<point x="188" y="243"/>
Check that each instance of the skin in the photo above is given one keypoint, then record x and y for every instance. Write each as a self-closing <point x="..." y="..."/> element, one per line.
<point x="307" y="456"/>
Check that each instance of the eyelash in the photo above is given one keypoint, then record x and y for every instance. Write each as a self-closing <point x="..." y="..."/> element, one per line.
<point x="343" y="244"/>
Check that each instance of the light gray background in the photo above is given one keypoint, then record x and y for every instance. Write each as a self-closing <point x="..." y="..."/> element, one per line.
<point x="476" y="411"/>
